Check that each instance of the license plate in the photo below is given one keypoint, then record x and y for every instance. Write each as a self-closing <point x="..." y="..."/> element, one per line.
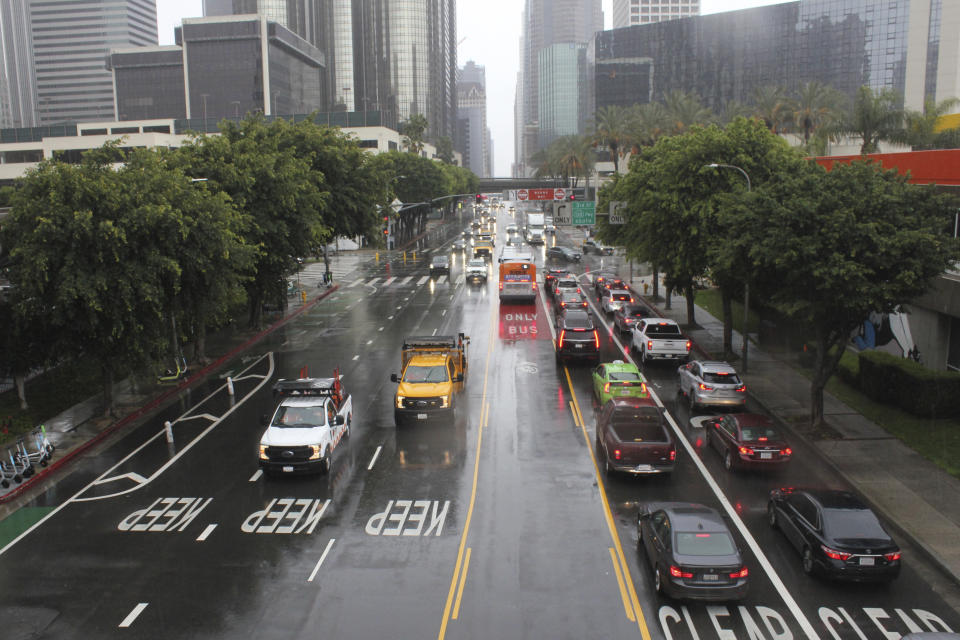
<point x="578" y="346"/>
<point x="643" y="467"/>
<point x="866" y="562"/>
<point x="421" y="416"/>
<point x="288" y="469"/>
<point x="710" y="577"/>
<point x="625" y="392"/>
<point x="765" y="455"/>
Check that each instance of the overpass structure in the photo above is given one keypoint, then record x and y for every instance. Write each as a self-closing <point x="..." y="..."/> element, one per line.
<point x="495" y="185"/>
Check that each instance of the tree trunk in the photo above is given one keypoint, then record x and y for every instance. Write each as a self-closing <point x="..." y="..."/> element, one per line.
<point x="200" y="346"/>
<point x="107" y="391"/>
<point x="656" y="283"/>
<point x="21" y="381"/>
<point x="824" y="365"/>
<point x="691" y="313"/>
<point x="727" y="305"/>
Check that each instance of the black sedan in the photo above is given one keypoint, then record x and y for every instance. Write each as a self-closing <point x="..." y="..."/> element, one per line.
<point x="836" y="534"/>
<point x="627" y="315"/>
<point x="691" y="552"/>
<point x="563" y="253"/>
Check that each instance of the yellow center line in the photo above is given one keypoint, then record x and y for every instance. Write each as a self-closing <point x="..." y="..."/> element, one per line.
<point x="623" y="589"/>
<point x="628" y="580"/>
<point x="473" y="491"/>
<point x="463" y="581"/>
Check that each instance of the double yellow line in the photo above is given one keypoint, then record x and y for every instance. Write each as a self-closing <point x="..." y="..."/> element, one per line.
<point x="631" y="604"/>
<point x="451" y="609"/>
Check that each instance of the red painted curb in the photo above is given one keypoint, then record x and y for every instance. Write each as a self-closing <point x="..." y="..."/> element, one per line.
<point x="157" y="401"/>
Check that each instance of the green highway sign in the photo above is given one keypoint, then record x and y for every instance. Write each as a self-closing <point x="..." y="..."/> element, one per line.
<point x="583" y="212"/>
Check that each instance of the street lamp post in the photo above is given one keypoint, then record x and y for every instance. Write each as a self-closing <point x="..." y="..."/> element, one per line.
<point x="746" y="284"/>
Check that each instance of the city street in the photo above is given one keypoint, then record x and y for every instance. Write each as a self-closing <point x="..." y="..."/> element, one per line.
<point x="500" y="524"/>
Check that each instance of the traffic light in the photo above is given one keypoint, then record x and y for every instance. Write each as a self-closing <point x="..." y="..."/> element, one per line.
<point x="572" y="196"/>
<point x="479" y="198"/>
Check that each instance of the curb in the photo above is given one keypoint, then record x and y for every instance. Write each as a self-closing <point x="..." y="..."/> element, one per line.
<point x="158" y="400"/>
<point x="891" y="521"/>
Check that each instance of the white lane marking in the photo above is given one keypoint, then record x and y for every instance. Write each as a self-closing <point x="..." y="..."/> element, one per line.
<point x="389" y="280"/>
<point x="356" y="357"/>
<point x="135" y="477"/>
<point x="206" y="532"/>
<point x="441" y="279"/>
<point x="405" y="280"/>
<point x="355" y="282"/>
<point x="137" y="610"/>
<point x="373" y="460"/>
<point x="443" y="313"/>
<point x="369" y="341"/>
<point x="256" y="476"/>
<point x="372" y="282"/>
<point x="389" y="317"/>
<point x="380" y="329"/>
<point x="434" y="332"/>
<point x="320" y="561"/>
<point x="422" y="280"/>
<point x="725" y="503"/>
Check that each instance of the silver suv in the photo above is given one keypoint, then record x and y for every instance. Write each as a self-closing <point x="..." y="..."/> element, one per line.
<point x="713" y="384"/>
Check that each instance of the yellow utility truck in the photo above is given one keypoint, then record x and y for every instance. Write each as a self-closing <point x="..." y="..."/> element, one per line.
<point x="433" y="372"/>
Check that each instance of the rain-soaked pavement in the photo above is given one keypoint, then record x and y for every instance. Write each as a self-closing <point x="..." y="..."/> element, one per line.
<point x="499" y="525"/>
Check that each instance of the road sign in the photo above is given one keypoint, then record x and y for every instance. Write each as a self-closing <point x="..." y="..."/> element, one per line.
<point x="562" y="214"/>
<point x="615" y="216"/>
<point x="522" y="194"/>
<point x="559" y="194"/>
<point x="584" y="212"/>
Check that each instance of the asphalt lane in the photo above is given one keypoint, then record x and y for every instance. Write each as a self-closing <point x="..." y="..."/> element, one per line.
<point x="498" y="524"/>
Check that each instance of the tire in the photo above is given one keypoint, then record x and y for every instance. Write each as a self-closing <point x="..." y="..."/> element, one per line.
<point x="728" y="461"/>
<point x="325" y="463"/>
<point x="658" y="581"/>
<point x="809" y="566"/>
<point x="346" y="433"/>
<point x="772" y="516"/>
<point x="4" y="483"/>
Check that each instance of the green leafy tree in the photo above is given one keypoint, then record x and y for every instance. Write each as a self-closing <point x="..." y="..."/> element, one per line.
<point x="445" y="149"/>
<point x="920" y="127"/>
<point x="413" y="131"/>
<point x="611" y="129"/>
<point x="416" y="182"/>
<point x="848" y="242"/>
<point x="686" y="110"/>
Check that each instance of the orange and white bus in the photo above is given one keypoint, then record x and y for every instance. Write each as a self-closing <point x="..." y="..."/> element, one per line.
<point x="518" y="281"/>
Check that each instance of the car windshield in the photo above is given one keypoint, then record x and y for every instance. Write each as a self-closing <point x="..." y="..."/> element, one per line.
<point x="299" y="416"/>
<point x="720" y="377"/>
<point x="624" y="375"/>
<point x="852" y="523"/>
<point x="478" y="263"/>
<point x="692" y="543"/>
<point x="664" y="330"/>
<point x="758" y="434"/>
<point x="436" y="373"/>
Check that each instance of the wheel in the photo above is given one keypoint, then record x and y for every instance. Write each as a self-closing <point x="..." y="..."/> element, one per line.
<point x="772" y="515"/>
<point x="728" y="461"/>
<point x="346" y="432"/>
<point x="325" y="463"/>
<point x="4" y="483"/>
<point x="808" y="565"/>
<point x="658" y="580"/>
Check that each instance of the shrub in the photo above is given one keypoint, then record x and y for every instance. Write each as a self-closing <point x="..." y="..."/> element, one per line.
<point x="909" y="385"/>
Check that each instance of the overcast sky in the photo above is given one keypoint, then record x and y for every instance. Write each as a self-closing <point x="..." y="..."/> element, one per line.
<point x="489" y="34"/>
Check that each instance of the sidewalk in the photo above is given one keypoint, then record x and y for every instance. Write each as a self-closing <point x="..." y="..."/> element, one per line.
<point x="911" y="493"/>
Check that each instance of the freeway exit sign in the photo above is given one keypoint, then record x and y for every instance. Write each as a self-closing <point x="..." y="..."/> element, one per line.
<point x="583" y="212"/>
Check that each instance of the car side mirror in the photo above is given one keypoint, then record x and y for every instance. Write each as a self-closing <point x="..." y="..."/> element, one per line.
<point x="338" y="420"/>
<point x="394" y="378"/>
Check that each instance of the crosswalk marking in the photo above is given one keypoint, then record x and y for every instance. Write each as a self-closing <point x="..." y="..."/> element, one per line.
<point x="372" y="282"/>
<point x="355" y="282"/>
<point x="422" y="280"/>
<point x="405" y="280"/>
<point x="389" y="280"/>
<point x="441" y="279"/>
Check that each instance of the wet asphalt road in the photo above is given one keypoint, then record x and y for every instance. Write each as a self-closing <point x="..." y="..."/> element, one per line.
<point x="498" y="526"/>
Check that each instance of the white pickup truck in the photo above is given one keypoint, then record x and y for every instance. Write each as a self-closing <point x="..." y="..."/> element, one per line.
<point x="659" y="338"/>
<point x="313" y="417"/>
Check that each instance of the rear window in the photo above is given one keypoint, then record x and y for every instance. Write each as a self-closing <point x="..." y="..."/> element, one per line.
<point x="577" y="321"/>
<point x="567" y="284"/>
<point x="638" y="424"/>
<point x="759" y="434"/>
<point x="624" y="375"/>
<point x="720" y="378"/>
<point x="664" y="330"/>
<point x="704" y="544"/>
<point x="620" y="296"/>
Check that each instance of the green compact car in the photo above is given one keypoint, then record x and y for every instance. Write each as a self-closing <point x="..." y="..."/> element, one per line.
<point x="618" y="379"/>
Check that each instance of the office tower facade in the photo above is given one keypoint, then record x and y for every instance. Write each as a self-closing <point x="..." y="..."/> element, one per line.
<point x="563" y="103"/>
<point x="71" y="39"/>
<point x="226" y="66"/>
<point x="18" y="91"/>
<point x="546" y="23"/>
<point x="473" y="136"/>
<point x="909" y="46"/>
<point x="631" y="12"/>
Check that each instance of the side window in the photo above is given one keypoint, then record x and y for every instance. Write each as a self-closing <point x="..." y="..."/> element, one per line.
<point x="697" y="372"/>
<point x="602" y="371"/>
<point x="331" y="413"/>
<point x="729" y="425"/>
<point x="804" y="508"/>
<point x="451" y="369"/>
<point x="658" y="522"/>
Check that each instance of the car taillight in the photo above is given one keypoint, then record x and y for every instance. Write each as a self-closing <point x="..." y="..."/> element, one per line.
<point x="892" y="557"/>
<point x="676" y="572"/>
<point x="631" y="299"/>
<point x="606" y="388"/>
<point x="596" y="339"/>
<point x="562" y="333"/>
<point x="688" y="345"/>
<point x="743" y="573"/>
<point x="747" y="451"/>
<point x="704" y="387"/>
<point x="834" y="554"/>
<point x="643" y="387"/>
<point x="673" y="455"/>
<point x="649" y="344"/>
<point x="616" y="454"/>
<point x="786" y="452"/>
<point x="742" y="388"/>
<point x="628" y="320"/>
<point x="501" y="286"/>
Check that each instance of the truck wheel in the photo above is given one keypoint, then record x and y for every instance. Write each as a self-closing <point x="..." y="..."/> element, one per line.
<point x="397" y="418"/>
<point x="325" y="463"/>
<point x="346" y="432"/>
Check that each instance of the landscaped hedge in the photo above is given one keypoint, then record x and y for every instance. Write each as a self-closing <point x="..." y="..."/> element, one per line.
<point x="848" y="369"/>
<point x="909" y="385"/>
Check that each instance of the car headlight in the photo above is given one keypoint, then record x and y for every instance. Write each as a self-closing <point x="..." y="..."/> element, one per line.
<point x="444" y="401"/>
<point x="315" y="455"/>
<point x="400" y="400"/>
<point x="263" y="452"/>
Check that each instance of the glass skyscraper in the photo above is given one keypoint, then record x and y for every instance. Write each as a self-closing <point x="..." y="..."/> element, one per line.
<point x="563" y="97"/>
<point x="725" y="57"/>
<point x="18" y="91"/>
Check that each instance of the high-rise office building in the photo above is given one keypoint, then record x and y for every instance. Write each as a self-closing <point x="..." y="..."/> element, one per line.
<point x="546" y="23"/>
<point x="71" y="40"/>
<point x="563" y="92"/>
<point x="631" y="12"/>
<point x="910" y="46"/>
<point x="18" y="91"/>
<point x="473" y="136"/>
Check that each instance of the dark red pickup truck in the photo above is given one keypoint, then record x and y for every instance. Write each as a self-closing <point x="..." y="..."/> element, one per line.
<point x="633" y="437"/>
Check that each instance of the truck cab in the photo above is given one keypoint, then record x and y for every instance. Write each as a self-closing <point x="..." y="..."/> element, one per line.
<point x="433" y="370"/>
<point x="312" y="417"/>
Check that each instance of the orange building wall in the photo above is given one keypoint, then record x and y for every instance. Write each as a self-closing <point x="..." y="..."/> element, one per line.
<point x="924" y="167"/>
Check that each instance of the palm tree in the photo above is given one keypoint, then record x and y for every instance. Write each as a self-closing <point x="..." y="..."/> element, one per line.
<point x="920" y="127"/>
<point x="685" y="110"/>
<point x="611" y="130"/>
<point x="816" y="105"/>
<point x="875" y="117"/>
<point x="771" y="104"/>
<point x="735" y="109"/>
<point x="572" y="157"/>
<point x="648" y="123"/>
